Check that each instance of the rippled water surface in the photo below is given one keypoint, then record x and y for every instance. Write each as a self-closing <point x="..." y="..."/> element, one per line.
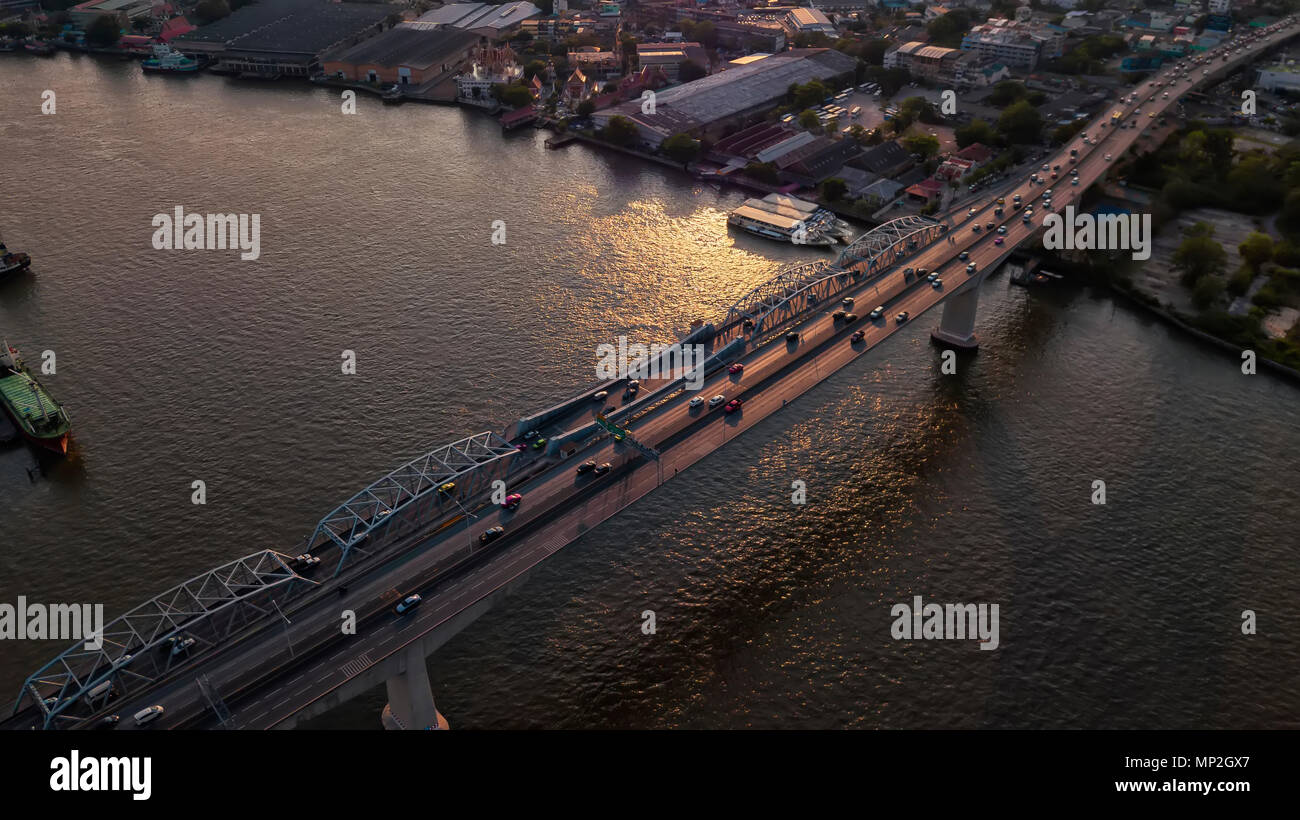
<point x="376" y="237"/>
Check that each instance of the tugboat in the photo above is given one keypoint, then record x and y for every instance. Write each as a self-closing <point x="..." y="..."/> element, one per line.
<point x="12" y="261"/>
<point x="165" y="59"/>
<point x="40" y="419"/>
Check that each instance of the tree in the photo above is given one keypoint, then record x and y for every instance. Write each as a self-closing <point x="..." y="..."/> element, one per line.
<point x="809" y="94"/>
<point x="1005" y="93"/>
<point x="621" y="131"/>
<point x="923" y="144"/>
<point x="834" y="189"/>
<point x="977" y="131"/>
<point x="515" y="96"/>
<point x="533" y="68"/>
<point x="1197" y="257"/>
<point x="586" y="108"/>
<point x="691" y="70"/>
<point x="1020" y="123"/>
<point x="808" y="121"/>
<point x="1207" y="290"/>
<point x="681" y="147"/>
<point x="1256" y="249"/>
<point x="103" y="32"/>
<point x="763" y="172"/>
<point x="705" y="34"/>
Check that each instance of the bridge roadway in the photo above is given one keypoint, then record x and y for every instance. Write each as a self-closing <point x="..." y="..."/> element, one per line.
<point x="267" y="685"/>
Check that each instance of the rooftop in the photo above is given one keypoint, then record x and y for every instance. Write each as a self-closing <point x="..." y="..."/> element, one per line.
<point x="415" y="47"/>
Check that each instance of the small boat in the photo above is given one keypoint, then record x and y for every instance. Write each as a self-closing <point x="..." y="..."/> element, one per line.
<point x="168" y="60"/>
<point x="12" y="261"/>
<point x="40" y="419"/>
<point x="39" y="47"/>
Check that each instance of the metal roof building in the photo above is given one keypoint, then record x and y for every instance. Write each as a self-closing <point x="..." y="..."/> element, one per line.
<point x="713" y="101"/>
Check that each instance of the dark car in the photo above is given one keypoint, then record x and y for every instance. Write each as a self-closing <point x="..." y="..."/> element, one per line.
<point x="491" y="534"/>
<point x="586" y="467"/>
<point x="839" y="314"/>
<point x="108" y="722"/>
<point x="792" y="336"/>
<point x="604" y="468"/>
<point x="857" y="336"/>
<point x="849" y="318"/>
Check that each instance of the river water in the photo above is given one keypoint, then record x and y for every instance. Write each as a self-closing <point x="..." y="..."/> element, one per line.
<point x="376" y="237"/>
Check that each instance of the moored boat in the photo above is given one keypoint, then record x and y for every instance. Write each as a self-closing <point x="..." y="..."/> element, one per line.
<point x="40" y="419"/>
<point x="39" y="47"/>
<point x="168" y="60"/>
<point x="12" y="261"/>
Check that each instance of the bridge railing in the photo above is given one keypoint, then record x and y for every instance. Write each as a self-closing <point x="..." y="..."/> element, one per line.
<point x="138" y="648"/>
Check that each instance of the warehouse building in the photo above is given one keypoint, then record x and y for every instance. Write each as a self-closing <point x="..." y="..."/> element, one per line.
<point x="713" y="105"/>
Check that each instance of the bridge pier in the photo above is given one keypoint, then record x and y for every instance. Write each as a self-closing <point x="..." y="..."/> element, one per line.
<point x="957" y="327"/>
<point x="410" y="697"/>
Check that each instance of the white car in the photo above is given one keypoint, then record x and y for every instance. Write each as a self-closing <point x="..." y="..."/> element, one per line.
<point x="716" y="400"/>
<point x="1108" y="157"/>
<point x="697" y="401"/>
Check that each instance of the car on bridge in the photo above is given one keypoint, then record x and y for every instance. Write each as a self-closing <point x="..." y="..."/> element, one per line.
<point x="847" y="301"/>
<point x="539" y="444"/>
<point x="792" y="336"/>
<point x="963" y="256"/>
<point x="997" y="241"/>
<point x="604" y="468"/>
<point x="716" y="400"/>
<point x="148" y="715"/>
<point x="857" y="336"/>
<point x="448" y="488"/>
<point x="901" y="317"/>
<point x="838" y="315"/>
<point x="632" y="387"/>
<point x="181" y="645"/>
<point x="850" y="318"/>
<point x="970" y="269"/>
<point x="694" y="403"/>
<point x="601" y="396"/>
<point x="876" y="313"/>
<point x="586" y="467"/>
<point x="932" y="276"/>
<point x="733" y="405"/>
<point x="512" y="501"/>
<point x="736" y="368"/>
<point x="107" y="722"/>
<point x="408" y="603"/>
<point x="491" y="534"/>
<point x="1002" y="229"/>
<point x="937" y="284"/>
<point x="975" y="228"/>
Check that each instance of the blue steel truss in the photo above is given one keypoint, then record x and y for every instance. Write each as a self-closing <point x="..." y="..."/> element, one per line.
<point x="134" y="651"/>
<point x="885" y="244"/>
<point x="798" y="287"/>
<point x="405" y="499"/>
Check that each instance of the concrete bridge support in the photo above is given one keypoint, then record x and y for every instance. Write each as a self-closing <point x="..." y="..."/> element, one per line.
<point x="410" y="697"/>
<point x="957" y="327"/>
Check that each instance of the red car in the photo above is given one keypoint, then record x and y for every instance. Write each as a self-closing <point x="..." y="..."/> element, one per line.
<point x="735" y="368"/>
<point x="733" y="406"/>
<point x="512" y="501"/>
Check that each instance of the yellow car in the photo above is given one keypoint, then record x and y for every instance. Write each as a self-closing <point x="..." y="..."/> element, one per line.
<point x="448" y="488"/>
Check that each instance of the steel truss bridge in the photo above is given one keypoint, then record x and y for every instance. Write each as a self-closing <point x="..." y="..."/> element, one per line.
<point x="136" y="649"/>
<point x="797" y="288"/>
<point x="405" y="500"/>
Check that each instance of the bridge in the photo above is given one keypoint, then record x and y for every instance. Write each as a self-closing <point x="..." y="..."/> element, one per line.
<point x="264" y="641"/>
